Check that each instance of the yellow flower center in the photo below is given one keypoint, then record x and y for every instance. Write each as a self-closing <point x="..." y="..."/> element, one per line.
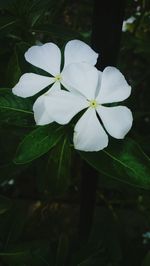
<point x="58" y="77"/>
<point x="93" y="103"/>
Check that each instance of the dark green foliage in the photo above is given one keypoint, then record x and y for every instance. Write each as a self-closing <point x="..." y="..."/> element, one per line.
<point x="37" y="143"/>
<point x="40" y="173"/>
<point x="15" y="110"/>
<point x="123" y="160"/>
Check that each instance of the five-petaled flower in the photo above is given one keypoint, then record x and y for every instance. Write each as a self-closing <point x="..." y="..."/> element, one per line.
<point x="48" y="58"/>
<point x="86" y="88"/>
<point x="92" y="90"/>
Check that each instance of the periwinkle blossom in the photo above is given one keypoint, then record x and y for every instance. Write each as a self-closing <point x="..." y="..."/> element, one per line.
<point x="91" y="89"/>
<point x="48" y="58"/>
<point x="86" y="88"/>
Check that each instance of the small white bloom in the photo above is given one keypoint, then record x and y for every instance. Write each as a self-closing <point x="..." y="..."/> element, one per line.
<point x="146" y="237"/>
<point x="127" y="22"/>
<point x="48" y="58"/>
<point x="11" y="182"/>
<point x="93" y="90"/>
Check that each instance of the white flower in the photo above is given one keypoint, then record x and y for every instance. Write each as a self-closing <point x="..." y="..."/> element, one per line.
<point x="127" y="22"/>
<point x="146" y="237"/>
<point x="48" y="58"/>
<point x="93" y="90"/>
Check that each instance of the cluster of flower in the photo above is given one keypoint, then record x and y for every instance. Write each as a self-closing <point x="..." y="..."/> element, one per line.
<point x="78" y="86"/>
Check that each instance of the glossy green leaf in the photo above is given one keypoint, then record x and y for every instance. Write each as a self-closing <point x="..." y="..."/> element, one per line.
<point x="58" y="168"/>
<point x="15" y="110"/>
<point x="123" y="160"/>
<point x="37" y="143"/>
<point x="11" y="102"/>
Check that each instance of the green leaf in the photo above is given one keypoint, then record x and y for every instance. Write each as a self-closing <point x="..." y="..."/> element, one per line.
<point x="6" y="22"/>
<point x="123" y="160"/>
<point x="15" y="110"/>
<point x="11" y="102"/>
<point x="37" y="143"/>
<point x="58" y="168"/>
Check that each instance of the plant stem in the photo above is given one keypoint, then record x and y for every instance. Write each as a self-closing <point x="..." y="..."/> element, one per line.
<point x="106" y="35"/>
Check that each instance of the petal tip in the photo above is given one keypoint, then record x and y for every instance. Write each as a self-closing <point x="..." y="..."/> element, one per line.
<point x="16" y="91"/>
<point x="97" y="149"/>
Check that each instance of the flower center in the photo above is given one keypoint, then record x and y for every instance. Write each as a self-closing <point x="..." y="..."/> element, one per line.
<point x="93" y="103"/>
<point x="58" y="77"/>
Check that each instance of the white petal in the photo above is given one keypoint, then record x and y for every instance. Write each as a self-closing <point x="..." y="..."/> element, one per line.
<point x="55" y="87"/>
<point x="81" y="77"/>
<point x="114" y="87"/>
<point x="99" y="82"/>
<point x="117" y="120"/>
<point x="29" y="84"/>
<point x="41" y="116"/>
<point x="46" y="57"/>
<point x="77" y="51"/>
<point x="89" y="134"/>
<point x="62" y="106"/>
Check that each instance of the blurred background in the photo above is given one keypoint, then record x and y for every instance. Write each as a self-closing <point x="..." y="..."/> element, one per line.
<point x="39" y="219"/>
